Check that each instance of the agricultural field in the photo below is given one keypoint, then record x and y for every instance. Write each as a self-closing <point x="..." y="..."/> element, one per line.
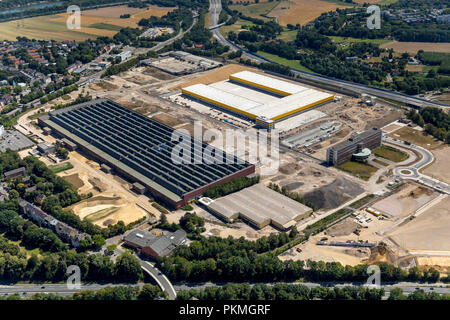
<point x="413" y="47"/>
<point x="361" y="170"/>
<point x="94" y="23"/>
<point x="390" y="153"/>
<point x="304" y="11"/>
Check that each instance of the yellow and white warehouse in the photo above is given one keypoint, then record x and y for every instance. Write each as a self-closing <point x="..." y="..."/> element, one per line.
<point x="263" y="99"/>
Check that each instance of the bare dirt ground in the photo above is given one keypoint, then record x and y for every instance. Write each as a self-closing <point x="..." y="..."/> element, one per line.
<point x="407" y="200"/>
<point x="413" y="47"/>
<point x="112" y="199"/>
<point x="215" y="75"/>
<point x="304" y="11"/>
<point x="439" y="168"/>
<point x="429" y="231"/>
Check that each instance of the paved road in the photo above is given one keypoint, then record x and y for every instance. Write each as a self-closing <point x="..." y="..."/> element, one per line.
<point x="60" y="289"/>
<point x="63" y="290"/>
<point x="157" y="275"/>
<point x="407" y="288"/>
<point x="411" y="172"/>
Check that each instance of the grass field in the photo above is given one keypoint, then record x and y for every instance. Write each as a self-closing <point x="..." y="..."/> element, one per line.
<point x="237" y="27"/>
<point x="361" y="170"/>
<point x="288" y="35"/>
<point x="353" y="40"/>
<point x="384" y="164"/>
<point x="390" y="153"/>
<point x="283" y="61"/>
<point x="256" y="10"/>
<point x="94" y="23"/>
<point x="416" y="137"/>
<point x="61" y="167"/>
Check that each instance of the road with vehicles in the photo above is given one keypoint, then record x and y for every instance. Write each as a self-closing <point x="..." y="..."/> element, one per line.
<point x="412" y="172"/>
<point x="27" y="290"/>
<point x="216" y="7"/>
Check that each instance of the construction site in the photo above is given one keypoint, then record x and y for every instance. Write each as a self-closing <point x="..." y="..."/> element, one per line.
<point x="398" y="231"/>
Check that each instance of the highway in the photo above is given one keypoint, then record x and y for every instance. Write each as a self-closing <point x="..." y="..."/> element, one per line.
<point x="412" y="172"/>
<point x="26" y="290"/>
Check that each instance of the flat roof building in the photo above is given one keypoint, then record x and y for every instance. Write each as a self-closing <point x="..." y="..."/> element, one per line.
<point x="260" y="206"/>
<point x="286" y="98"/>
<point x="155" y="245"/>
<point x="15" y="173"/>
<point x="141" y="149"/>
<point x="355" y="145"/>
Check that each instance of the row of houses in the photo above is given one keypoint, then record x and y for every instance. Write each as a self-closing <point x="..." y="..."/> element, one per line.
<point x="64" y="231"/>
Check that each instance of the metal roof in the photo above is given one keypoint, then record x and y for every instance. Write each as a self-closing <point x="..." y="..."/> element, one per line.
<point x="268" y="83"/>
<point x="301" y="98"/>
<point x="142" y="147"/>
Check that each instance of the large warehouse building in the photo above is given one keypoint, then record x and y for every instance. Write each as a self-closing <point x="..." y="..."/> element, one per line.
<point x="260" y="206"/>
<point x="141" y="149"/>
<point x="263" y="99"/>
<point x="358" y="145"/>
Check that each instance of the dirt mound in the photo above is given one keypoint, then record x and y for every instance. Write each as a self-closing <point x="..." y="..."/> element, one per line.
<point x="290" y="168"/>
<point x="381" y="253"/>
<point x="343" y="228"/>
<point x="334" y="194"/>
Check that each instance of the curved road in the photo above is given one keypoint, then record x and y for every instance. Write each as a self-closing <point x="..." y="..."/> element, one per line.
<point x="411" y="172"/>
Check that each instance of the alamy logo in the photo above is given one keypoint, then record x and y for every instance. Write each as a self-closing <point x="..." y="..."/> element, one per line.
<point x="250" y="145"/>
<point x="374" y="20"/>
<point x="74" y="280"/>
<point x="74" y="18"/>
<point x="374" y="279"/>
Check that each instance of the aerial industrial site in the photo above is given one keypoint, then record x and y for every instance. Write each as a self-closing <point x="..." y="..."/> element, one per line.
<point x="180" y="173"/>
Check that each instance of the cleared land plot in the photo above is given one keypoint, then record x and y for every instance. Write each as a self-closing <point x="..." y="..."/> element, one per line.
<point x="304" y="11"/>
<point x="416" y="137"/>
<point x="390" y="153"/>
<point x="361" y="170"/>
<point x="94" y="23"/>
<point x="413" y="47"/>
<point x="74" y="180"/>
<point x="406" y="201"/>
<point x="429" y="231"/>
<point x="439" y="168"/>
<point x="108" y="209"/>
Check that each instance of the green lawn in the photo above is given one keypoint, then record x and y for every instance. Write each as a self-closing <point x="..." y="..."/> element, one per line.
<point x="61" y="167"/>
<point x="361" y="170"/>
<point x="288" y="35"/>
<point x="390" y="153"/>
<point x="105" y="26"/>
<point x="236" y="27"/>
<point x="380" y="162"/>
<point x="284" y="61"/>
